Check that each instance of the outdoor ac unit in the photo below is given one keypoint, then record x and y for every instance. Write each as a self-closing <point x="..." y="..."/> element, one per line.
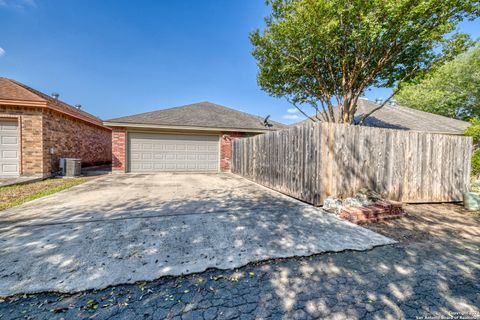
<point x="70" y="167"/>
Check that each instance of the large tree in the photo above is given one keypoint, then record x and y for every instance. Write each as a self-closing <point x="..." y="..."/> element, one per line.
<point x="451" y="90"/>
<point x="324" y="53"/>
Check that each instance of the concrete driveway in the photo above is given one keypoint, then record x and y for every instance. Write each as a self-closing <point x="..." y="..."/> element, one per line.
<point x="126" y="228"/>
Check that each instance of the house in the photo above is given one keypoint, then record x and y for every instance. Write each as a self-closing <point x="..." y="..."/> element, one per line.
<point x="36" y="130"/>
<point x="403" y="118"/>
<point x="195" y="137"/>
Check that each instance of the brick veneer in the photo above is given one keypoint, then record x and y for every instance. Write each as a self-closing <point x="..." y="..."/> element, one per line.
<point x="41" y="129"/>
<point x="378" y="212"/>
<point x="74" y="138"/>
<point x="119" y="157"/>
<point x="226" y="148"/>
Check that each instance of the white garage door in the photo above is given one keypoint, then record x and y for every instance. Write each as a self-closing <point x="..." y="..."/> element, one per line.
<point x="173" y="152"/>
<point x="9" y="148"/>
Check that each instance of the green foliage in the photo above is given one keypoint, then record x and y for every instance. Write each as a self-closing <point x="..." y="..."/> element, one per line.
<point x="451" y="90"/>
<point x="317" y="51"/>
<point x="476" y="163"/>
<point x="474" y="130"/>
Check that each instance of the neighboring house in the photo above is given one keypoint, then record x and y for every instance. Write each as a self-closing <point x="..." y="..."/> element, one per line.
<point x="195" y="137"/>
<point x="36" y="130"/>
<point x="403" y="118"/>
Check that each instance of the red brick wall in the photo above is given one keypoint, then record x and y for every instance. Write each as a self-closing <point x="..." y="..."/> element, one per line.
<point x="119" y="157"/>
<point x="40" y="129"/>
<point x="73" y="138"/>
<point x="226" y="148"/>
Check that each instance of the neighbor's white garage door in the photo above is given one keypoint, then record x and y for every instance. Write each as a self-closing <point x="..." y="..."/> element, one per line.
<point x="150" y="152"/>
<point x="9" y="148"/>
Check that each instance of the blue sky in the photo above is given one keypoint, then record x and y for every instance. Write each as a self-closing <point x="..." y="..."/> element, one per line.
<point x="118" y="57"/>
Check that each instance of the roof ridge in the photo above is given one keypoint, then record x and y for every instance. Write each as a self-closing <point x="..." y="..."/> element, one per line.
<point x="435" y="114"/>
<point x="242" y="112"/>
<point x="409" y="109"/>
<point x="235" y="110"/>
<point x="197" y="104"/>
<point x="200" y="114"/>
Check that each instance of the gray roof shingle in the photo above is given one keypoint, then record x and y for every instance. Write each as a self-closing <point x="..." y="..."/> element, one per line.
<point x="202" y="114"/>
<point x="403" y="118"/>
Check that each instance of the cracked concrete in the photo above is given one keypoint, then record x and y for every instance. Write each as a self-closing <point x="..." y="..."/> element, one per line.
<point x="432" y="272"/>
<point x="126" y="228"/>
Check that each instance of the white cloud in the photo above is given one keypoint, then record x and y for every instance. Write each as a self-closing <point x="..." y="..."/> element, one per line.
<point x="292" y="110"/>
<point x="2" y="51"/>
<point x="17" y="4"/>
<point x="291" y="116"/>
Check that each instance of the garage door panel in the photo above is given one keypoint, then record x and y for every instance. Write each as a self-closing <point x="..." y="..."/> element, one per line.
<point x="168" y="152"/>
<point x="181" y="147"/>
<point x="9" y="154"/>
<point x="8" y="126"/>
<point x="135" y="155"/>
<point x="10" y="168"/>
<point x="147" y="146"/>
<point x="181" y="166"/>
<point x="147" y="156"/>
<point x="9" y="148"/>
<point x="9" y="140"/>
<point x="169" y="166"/>
<point x="170" y="156"/>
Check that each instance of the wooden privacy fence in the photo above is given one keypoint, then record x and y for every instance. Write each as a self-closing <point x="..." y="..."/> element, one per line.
<point x="318" y="160"/>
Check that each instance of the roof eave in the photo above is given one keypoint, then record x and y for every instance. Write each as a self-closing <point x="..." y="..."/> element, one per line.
<point x="23" y="103"/>
<point x="159" y="126"/>
<point x="76" y="115"/>
<point x="47" y="105"/>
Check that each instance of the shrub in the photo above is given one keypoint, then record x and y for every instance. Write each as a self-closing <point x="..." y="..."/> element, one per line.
<point x="476" y="163"/>
<point x="474" y="130"/>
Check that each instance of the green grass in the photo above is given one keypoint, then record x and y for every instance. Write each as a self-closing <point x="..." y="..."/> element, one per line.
<point x="15" y="195"/>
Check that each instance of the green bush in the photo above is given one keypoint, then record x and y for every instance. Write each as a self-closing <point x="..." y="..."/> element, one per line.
<point x="476" y="163"/>
<point x="474" y="130"/>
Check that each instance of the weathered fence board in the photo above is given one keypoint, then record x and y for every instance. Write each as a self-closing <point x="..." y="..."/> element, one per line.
<point x="314" y="161"/>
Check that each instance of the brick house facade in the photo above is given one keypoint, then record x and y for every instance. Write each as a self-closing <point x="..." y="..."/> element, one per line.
<point x="120" y="157"/>
<point x="49" y="130"/>
<point x="193" y="138"/>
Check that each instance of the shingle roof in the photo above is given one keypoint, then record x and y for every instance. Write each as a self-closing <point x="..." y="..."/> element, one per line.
<point x="403" y="118"/>
<point x="16" y="91"/>
<point x="202" y="114"/>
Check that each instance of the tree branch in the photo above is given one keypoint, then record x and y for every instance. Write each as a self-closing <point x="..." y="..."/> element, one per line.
<point x="395" y="91"/>
<point x="299" y="109"/>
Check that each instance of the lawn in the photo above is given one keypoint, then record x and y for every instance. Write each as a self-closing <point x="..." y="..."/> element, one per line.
<point x="15" y="195"/>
